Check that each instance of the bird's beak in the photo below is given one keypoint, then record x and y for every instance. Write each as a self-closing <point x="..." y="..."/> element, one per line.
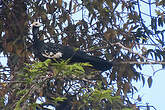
<point x="40" y="24"/>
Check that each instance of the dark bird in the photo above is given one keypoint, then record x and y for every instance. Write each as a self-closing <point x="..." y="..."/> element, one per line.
<point x="43" y="51"/>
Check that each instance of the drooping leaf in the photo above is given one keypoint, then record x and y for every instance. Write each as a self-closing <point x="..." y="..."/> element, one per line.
<point x="59" y="2"/>
<point x="143" y="79"/>
<point x="150" y="81"/>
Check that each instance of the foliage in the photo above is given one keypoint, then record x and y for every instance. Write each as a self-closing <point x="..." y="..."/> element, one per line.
<point x="33" y="79"/>
<point x="113" y="29"/>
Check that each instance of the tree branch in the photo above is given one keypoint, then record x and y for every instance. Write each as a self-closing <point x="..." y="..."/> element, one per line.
<point x="148" y="61"/>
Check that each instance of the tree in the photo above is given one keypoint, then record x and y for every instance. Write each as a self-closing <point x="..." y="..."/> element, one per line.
<point x="111" y="29"/>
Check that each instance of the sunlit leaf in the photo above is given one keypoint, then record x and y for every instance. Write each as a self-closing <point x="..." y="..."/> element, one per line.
<point x="110" y="34"/>
<point x="59" y="2"/>
<point x="158" y="12"/>
<point x="74" y="7"/>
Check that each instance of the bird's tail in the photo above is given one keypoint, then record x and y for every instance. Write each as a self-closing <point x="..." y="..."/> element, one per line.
<point x="98" y="63"/>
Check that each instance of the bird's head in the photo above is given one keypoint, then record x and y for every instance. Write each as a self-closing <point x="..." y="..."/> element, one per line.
<point x="36" y="25"/>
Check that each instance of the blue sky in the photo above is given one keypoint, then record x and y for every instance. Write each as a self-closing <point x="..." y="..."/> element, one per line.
<point x="155" y="95"/>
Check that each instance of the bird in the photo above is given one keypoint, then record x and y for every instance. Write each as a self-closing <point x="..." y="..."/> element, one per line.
<point x="48" y="50"/>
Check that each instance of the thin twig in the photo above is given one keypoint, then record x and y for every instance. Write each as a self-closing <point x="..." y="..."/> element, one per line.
<point x="130" y="50"/>
<point x="148" y="61"/>
<point x="147" y="106"/>
<point x="136" y="62"/>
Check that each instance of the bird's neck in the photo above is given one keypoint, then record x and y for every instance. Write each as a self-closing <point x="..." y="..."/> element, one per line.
<point x="35" y="31"/>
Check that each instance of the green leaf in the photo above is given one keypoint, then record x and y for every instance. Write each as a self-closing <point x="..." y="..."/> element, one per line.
<point x="47" y="62"/>
<point x="127" y="109"/>
<point x="150" y="81"/>
<point x="85" y="64"/>
<point x="59" y="99"/>
<point x="158" y="12"/>
<point x="22" y="92"/>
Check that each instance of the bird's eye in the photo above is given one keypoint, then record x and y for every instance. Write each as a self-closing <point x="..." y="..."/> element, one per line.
<point x="46" y="51"/>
